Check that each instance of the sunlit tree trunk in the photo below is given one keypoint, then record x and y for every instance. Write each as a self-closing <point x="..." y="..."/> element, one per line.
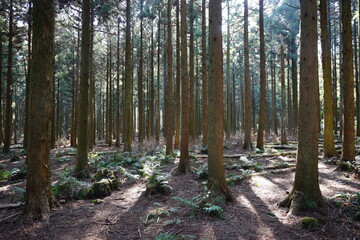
<point x="91" y="125"/>
<point x="191" y="72"/>
<point x="283" y="107"/>
<point x="260" y="137"/>
<point x="216" y="182"/>
<point x="118" y="105"/>
<point x="38" y="192"/>
<point x="140" y="83"/>
<point x="178" y="77"/>
<point x="306" y="192"/>
<point x="329" y="146"/>
<point x="274" y="110"/>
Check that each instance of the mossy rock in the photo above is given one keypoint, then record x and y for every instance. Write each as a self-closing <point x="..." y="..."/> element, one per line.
<point x="309" y="222"/>
<point x="16" y="174"/>
<point x="108" y="175"/>
<point x="100" y="189"/>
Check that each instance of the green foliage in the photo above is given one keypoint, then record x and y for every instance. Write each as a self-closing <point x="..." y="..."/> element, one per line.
<point x="70" y="188"/>
<point x="349" y="201"/>
<point x="308" y="223"/>
<point x="281" y="164"/>
<point x="202" y="205"/>
<point x="157" y="184"/>
<point x="63" y="159"/>
<point x="157" y="214"/>
<point x="166" y="236"/>
<point x="4" y="175"/>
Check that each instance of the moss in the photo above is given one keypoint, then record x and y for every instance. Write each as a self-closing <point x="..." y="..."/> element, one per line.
<point x="309" y="222"/>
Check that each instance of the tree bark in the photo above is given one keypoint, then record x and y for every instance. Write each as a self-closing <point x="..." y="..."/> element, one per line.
<point x="348" y="153"/>
<point x="306" y="192"/>
<point x="247" y="139"/>
<point x="38" y="192"/>
<point x="329" y="146"/>
<point x="217" y="183"/>
<point x="178" y="77"/>
<point x="283" y="139"/>
<point x="82" y="165"/>
<point x="260" y="137"/>
<point x="204" y="75"/>
<point x="140" y="83"/>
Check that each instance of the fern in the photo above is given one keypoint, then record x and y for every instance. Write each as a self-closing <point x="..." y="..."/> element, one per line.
<point x="186" y="202"/>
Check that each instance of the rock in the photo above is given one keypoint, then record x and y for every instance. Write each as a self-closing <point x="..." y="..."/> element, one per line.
<point x="97" y="201"/>
<point x="110" y="176"/>
<point x="101" y="189"/>
<point x="16" y="174"/>
<point x="246" y="163"/>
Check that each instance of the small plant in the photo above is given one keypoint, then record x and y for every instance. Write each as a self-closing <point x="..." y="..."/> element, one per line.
<point x="4" y="175"/>
<point x="157" y="184"/>
<point x="166" y="236"/>
<point x="203" y="206"/>
<point x="71" y="188"/>
<point x="159" y="212"/>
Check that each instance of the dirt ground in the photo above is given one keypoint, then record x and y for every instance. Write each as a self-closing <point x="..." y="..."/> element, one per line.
<point x="253" y="214"/>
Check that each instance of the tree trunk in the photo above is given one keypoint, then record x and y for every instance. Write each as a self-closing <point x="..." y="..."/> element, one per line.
<point x="204" y="75"/>
<point x="329" y="147"/>
<point x="1" y="83"/>
<point x="306" y="192"/>
<point x="283" y="107"/>
<point x="178" y="86"/>
<point x="140" y="83"/>
<point x="157" y="131"/>
<point x="152" y="93"/>
<point x="274" y="109"/>
<point x="228" y="98"/>
<point x="118" y="105"/>
<point x="128" y="86"/>
<point x="260" y="137"/>
<point x="348" y="145"/>
<point x="216" y="182"/>
<point x="184" y="164"/>
<point x="91" y="125"/>
<point x="82" y="165"/>
<point x="191" y="72"/>
<point x="38" y="192"/>
<point x="247" y="139"/>
<point x="9" y="80"/>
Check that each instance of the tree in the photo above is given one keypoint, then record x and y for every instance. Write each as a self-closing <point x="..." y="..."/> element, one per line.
<point x="9" y="111"/>
<point x="169" y="113"/>
<point x="128" y="86"/>
<point x="329" y="146"/>
<point x="191" y="72"/>
<point x="204" y="75"/>
<point x="348" y="144"/>
<point x="184" y="164"/>
<point x="82" y="167"/>
<point x="38" y="191"/>
<point x="283" y="109"/>
<point x="306" y="192"/>
<point x="216" y="183"/>
<point x="140" y="82"/>
<point x="247" y="139"/>
<point x="260" y="137"/>
<point x="178" y="87"/>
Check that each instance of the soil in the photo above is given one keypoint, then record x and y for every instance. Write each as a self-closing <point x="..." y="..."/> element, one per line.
<point x="254" y="214"/>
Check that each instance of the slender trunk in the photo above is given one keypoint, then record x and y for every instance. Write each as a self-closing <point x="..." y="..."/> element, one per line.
<point x="140" y="83"/>
<point x="178" y="86"/>
<point x="329" y="146"/>
<point x="274" y="110"/>
<point x="204" y="75"/>
<point x="118" y="105"/>
<point x="228" y="98"/>
<point x="91" y="131"/>
<point x="260" y="137"/>
<point x="283" y="107"/>
<point x="1" y="83"/>
<point x="191" y="72"/>
<point x="247" y="139"/>
<point x="9" y="80"/>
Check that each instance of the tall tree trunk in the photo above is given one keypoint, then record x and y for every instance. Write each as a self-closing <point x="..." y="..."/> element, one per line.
<point x="178" y="86"/>
<point x="274" y="110"/>
<point x="169" y="108"/>
<point x="128" y="85"/>
<point x="260" y="137"/>
<point x="329" y="146"/>
<point x="74" y="114"/>
<point x="38" y="192"/>
<point x="204" y="75"/>
<point x="27" y="88"/>
<point x="82" y="165"/>
<point x="306" y="192"/>
<point x="356" y="65"/>
<point x="192" y="72"/>
<point x="110" y="109"/>
<point x="152" y="93"/>
<point x="157" y="131"/>
<point x="348" y="145"/>
<point x="184" y="164"/>
<point x="228" y="98"/>
<point x="247" y="139"/>
<point x="283" y="139"/>
<point x="91" y="125"/>
<point x="217" y="183"/>
<point x="1" y="83"/>
<point x="289" y="98"/>
<point x="118" y="105"/>
<point x="9" y="81"/>
<point x="140" y="83"/>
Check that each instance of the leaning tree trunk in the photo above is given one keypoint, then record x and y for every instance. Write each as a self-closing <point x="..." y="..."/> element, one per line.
<point x="82" y="165"/>
<point x="348" y="144"/>
<point x="38" y="191"/>
<point x="217" y="183"/>
<point x="329" y="146"/>
<point x="184" y="164"/>
<point x="306" y="192"/>
<point x="247" y="139"/>
<point x="260" y="137"/>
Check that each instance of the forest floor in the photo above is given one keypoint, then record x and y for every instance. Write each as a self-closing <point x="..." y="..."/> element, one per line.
<point x="258" y="181"/>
